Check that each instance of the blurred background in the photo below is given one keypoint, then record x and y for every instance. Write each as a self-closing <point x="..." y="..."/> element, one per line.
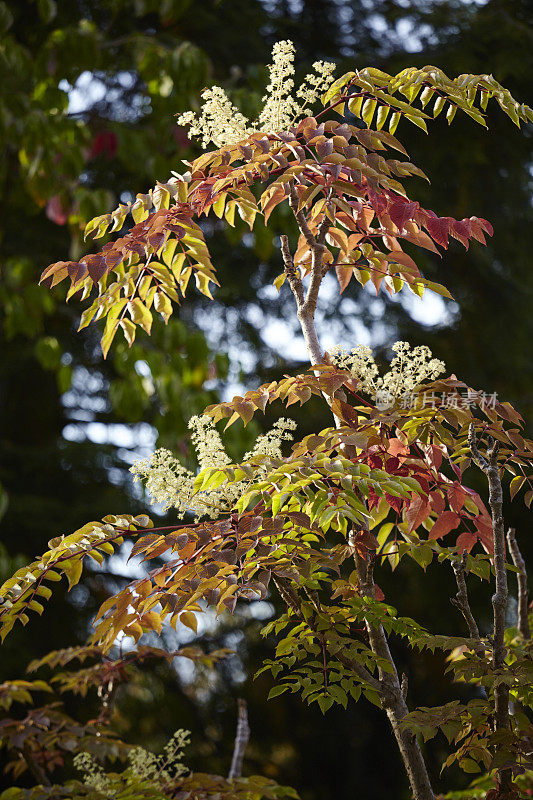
<point x="88" y="98"/>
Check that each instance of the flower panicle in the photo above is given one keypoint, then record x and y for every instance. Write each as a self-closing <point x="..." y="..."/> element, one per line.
<point x="221" y="123"/>
<point x="408" y="369"/>
<point x="171" y="485"/>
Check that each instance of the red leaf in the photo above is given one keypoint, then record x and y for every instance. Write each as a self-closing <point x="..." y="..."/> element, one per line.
<point x="377" y="201"/>
<point x="96" y="266"/>
<point x="395" y="503"/>
<point x="397" y="448"/>
<point x="434" y="455"/>
<point x="485" y="224"/>
<point x="437" y="501"/>
<point x="401" y="211"/>
<point x="456" y="496"/>
<point x="465" y="541"/>
<point x="417" y="512"/>
<point x="373" y="499"/>
<point x="380" y="597"/>
<point x="104" y="143"/>
<point x="484" y="531"/>
<point x="438" y="228"/>
<point x="344" y="276"/>
<point x="391" y="465"/>
<point x="55" y="211"/>
<point x="447" y="521"/>
<point x="76" y="270"/>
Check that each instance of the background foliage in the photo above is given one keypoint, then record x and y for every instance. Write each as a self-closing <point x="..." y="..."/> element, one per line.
<point x="134" y="66"/>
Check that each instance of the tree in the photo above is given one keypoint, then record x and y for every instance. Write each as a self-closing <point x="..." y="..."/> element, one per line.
<point x="397" y="453"/>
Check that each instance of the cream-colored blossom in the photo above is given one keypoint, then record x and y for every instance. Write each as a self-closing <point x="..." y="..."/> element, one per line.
<point x="160" y="770"/>
<point x="172" y="485"/>
<point x="222" y="123"/>
<point x="408" y="369"/>
<point x="93" y="774"/>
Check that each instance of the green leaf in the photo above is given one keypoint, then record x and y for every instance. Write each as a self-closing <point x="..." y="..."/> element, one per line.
<point x="277" y="690"/>
<point x="325" y="702"/>
<point x="469" y="765"/>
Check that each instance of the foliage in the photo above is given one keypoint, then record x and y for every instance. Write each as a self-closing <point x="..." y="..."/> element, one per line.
<point x="306" y="524"/>
<point x="48" y="736"/>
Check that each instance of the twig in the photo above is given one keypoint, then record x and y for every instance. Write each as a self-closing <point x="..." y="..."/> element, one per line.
<point x="489" y="465"/>
<point x="294" y="279"/>
<point x="461" y="602"/>
<point x="36" y="769"/>
<point x="241" y="740"/>
<point x="306" y="303"/>
<point x="292" y="600"/>
<point x="518" y="561"/>
<point x="395" y="704"/>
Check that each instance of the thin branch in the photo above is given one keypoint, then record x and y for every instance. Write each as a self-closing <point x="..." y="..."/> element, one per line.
<point x="295" y="282"/>
<point x="242" y="737"/>
<point x="35" y="768"/>
<point x="300" y="216"/>
<point x="305" y="313"/>
<point x="292" y="600"/>
<point x="462" y="603"/>
<point x="523" y="593"/>
<point x="388" y="684"/>
<point x="489" y="465"/>
<point x="394" y="701"/>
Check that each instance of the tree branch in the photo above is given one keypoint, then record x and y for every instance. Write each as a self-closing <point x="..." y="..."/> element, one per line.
<point x="461" y="602"/>
<point x="292" y="600"/>
<point x="489" y="465"/>
<point x="518" y="561"/>
<point x="241" y="740"/>
<point x="295" y="282"/>
<point x="394" y="697"/>
<point x="35" y="768"/>
<point x="388" y="685"/>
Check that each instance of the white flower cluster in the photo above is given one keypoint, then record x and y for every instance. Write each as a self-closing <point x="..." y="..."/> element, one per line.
<point x="165" y="768"/>
<point x="143" y="764"/>
<point x="93" y="774"/>
<point x="408" y="369"/>
<point x="223" y="124"/>
<point x="171" y="484"/>
<point x="219" y="122"/>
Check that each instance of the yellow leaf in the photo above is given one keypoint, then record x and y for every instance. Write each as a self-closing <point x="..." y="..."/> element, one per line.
<point x="129" y="330"/>
<point x="355" y="106"/>
<point x="74" y="572"/>
<point x="219" y="205"/>
<point x="202" y="284"/>
<point x="139" y="314"/>
<point x="163" y="305"/>
<point x="168" y="251"/>
<point x="439" y="105"/>
<point x="188" y="619"/>
<point x="393" y="122"/>
<point x="383" y="113"/>
<point x="368" y="110"/>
